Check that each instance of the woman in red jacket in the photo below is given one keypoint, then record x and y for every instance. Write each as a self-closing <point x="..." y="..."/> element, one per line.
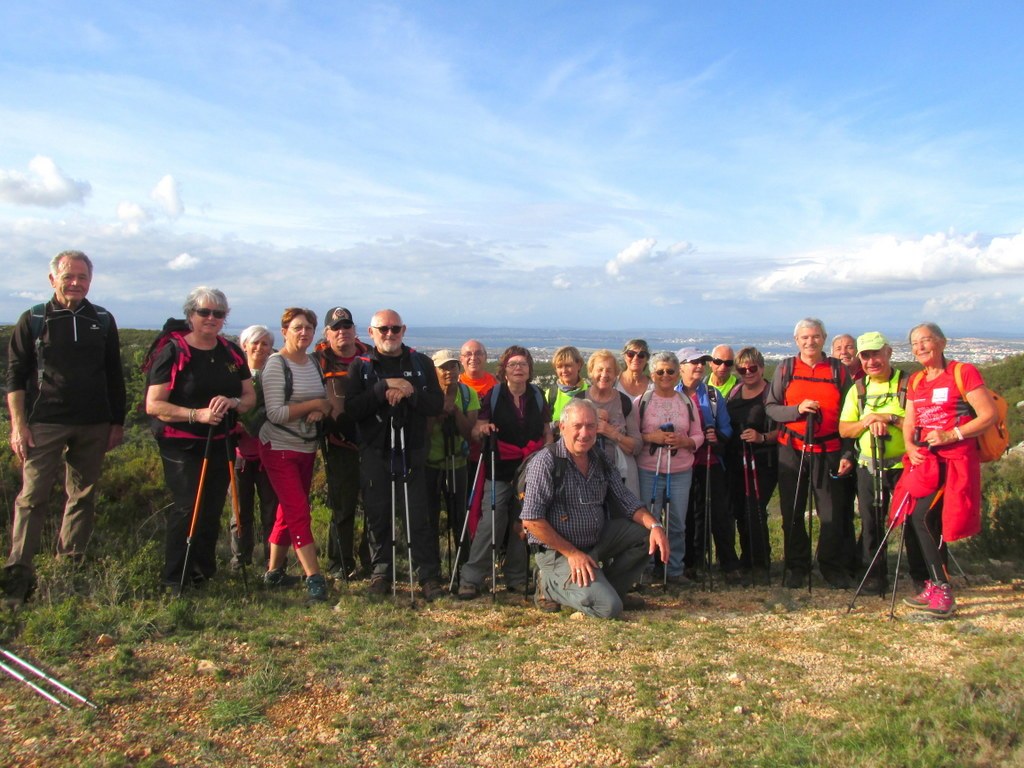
<point x="943" y="417"/>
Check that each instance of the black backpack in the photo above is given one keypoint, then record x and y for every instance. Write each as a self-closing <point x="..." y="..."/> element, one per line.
<point x="613" y="507"/>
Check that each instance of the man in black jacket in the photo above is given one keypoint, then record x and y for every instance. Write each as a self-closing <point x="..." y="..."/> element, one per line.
<point x="66" y="396"/>
<point x="394" y="388"/>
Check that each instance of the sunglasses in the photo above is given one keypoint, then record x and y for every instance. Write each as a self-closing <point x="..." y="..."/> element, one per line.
<point x="383" y="329"/>
<point x="631" y="353"/>
<point x="220" y="314"/>
<point x="743" y="370"/>
<point x="342" y="324"/>
<point x="665" y="372"/>
<point x="726" y="363"/>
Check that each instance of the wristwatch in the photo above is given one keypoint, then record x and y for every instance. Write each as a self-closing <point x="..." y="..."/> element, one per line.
<point x="656" y="524"/>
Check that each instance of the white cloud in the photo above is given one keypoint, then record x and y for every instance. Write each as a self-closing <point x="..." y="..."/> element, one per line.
<point x="168" y="197"/>
<point x="888" y="263"/>
<point x="183" y="261"/>
<point x="561" y="282"/>
<point x="642" y="252"/>
<point x="133" y="215"/>
<point x="45" y="185"/>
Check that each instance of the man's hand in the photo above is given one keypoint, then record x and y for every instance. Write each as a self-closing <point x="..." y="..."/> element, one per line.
<point x="582" y="568"/>
<point x="398" y="390"/>
<point x="659" y="543"/>
<point x="21" y="441"/>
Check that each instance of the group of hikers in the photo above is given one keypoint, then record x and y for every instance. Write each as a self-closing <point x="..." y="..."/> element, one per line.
<point x="657" y="467"/>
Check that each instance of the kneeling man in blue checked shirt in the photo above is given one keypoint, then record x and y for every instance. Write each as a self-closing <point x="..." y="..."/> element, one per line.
<point x="592" y="535"/>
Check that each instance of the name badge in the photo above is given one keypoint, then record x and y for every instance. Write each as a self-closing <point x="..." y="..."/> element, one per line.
<point x="940" y="395"/>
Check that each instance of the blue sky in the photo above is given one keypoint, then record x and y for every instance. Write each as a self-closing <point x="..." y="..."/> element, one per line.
<point x="604" y="165"/>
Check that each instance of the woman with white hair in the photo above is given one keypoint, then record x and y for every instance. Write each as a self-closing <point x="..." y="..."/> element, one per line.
<point x="257" y="341"/>
<point x="197" y="382"/>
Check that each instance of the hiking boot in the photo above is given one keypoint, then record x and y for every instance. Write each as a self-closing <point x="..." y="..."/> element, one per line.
<point x="380" y="585"/>
<point x="21" y="583"/>
<point x="279" y="578"/>
<point x="922" y="599"/>
<point x="432" y="590"/>
<point x="875" y="585"/>
<point x="838" y="581"/>
<point x="468" y="591"/>
<point x="633" y="603"/>
<point x="940" y="602"/>
<point x="316" y="587"/>
<point x="541" y="599"/>
<point x="795" y="579"/>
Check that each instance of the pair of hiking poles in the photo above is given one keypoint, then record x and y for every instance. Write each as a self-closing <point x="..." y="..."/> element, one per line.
<point x="400" y="474"/>
<point x="900" y="517"/>
<point x="752" y="503"/>
<point x="490" y="448"/>
<point x="666" y="499"/>
<point x="56" y="686"/>
<point x="235" y="505"/>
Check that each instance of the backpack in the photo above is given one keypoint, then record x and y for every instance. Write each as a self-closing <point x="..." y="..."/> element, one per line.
<point x="289" y="389"/>
<point x="786" y="366"/>
<point x="558" y="468"/>
<point x="174" y="332"/>
<point x="995" y="440"/>
<point x="901" y="390"/>
<point x="645" y="399"/>
<point x="537" y="394"/>
<point x="37" y="327"/>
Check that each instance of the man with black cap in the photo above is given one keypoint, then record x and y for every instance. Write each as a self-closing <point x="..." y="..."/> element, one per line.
<point x="335" y="353"/>
<point x="390" y="389"/>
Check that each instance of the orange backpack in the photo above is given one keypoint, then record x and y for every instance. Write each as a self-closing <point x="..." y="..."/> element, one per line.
<point x="993" y="442"/>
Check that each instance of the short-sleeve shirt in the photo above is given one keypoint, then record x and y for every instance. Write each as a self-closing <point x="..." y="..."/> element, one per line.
<point x="436" y="454"/>
<point x="937" y="403"/>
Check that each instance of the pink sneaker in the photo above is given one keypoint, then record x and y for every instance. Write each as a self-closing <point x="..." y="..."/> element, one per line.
<point x="941" y="602"/>
<point x="921" y="600"/>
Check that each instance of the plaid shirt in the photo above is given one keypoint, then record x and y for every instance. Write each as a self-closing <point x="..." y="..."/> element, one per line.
<point x="577" y="511"/>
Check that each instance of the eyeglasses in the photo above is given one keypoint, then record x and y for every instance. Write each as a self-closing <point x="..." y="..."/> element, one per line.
<point x="665" y="372"/>
<point x="631" y="353"/>
<point x="472" y="354"/>
<point x="385" y="329"/>
<point x="517" y="364"/>
<point x="346" y="324"/>
<point x="743" y="370"/>
<point x="726" y="363"/>
<point x="220" y="314"/>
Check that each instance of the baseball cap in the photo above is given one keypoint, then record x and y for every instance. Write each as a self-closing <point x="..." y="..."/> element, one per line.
<point x="443" y="356"/>
<point x="337" y="317"/>
<point x="873" y="340"/>
<point x="692" y="355"/>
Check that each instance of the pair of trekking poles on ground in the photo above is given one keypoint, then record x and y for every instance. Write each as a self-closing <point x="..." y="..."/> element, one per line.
<point x="56" y="686"/>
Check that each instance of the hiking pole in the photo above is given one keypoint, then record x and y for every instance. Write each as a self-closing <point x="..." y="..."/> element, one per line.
<point x="408" y="524"/>
<point x="878" y="553"/>
<point x="41" y="691"/>
<point x="394" y="514"/>
<point x="808" y="443"/>
<point x="196" y="508"/>
<point x="236" y="506"/>
<point x="334" y="520"/>
<point x="494" y="515"/>
<point x="448" y="484"/>
<point x="949" y="554"/>
<point x="51" y="680"/>
<point x="896" y="575"/>
<point x="654" y="498"/>
<point x="667" y="501"/>
<point x="465" y="520"/>
<point x="878" y="493"/>
<point x="750" y="516"/>
<point x="762" y="519"/>
<point x="708" y="560"/>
